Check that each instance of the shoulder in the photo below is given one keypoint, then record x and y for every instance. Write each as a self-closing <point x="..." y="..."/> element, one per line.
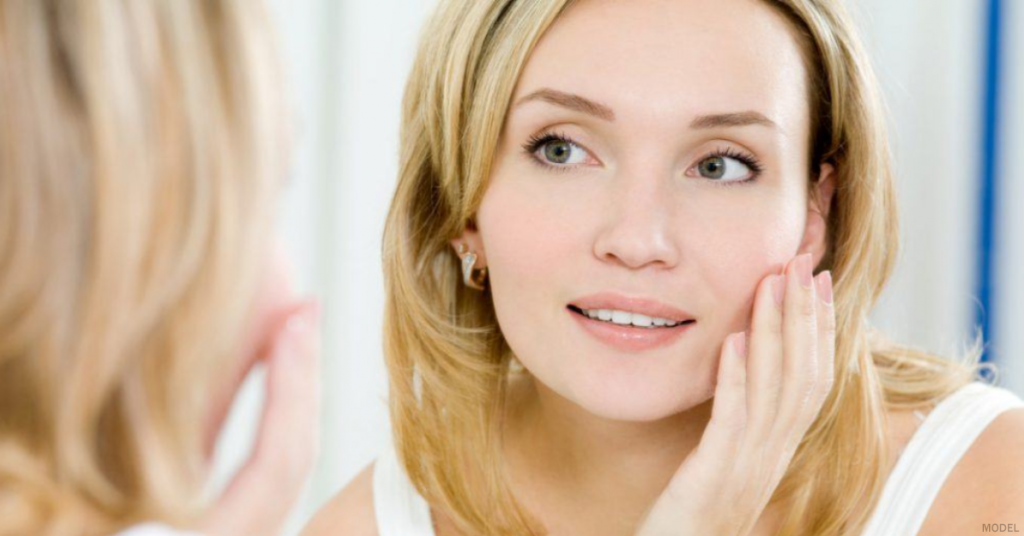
<point x="350" y="512"/>
<point x="987" y="485"/>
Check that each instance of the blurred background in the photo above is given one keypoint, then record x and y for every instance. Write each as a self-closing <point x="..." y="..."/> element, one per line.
<point x="953" y="76"/>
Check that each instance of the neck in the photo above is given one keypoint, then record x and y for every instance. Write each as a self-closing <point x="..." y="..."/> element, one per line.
<point x="558" y="450"/>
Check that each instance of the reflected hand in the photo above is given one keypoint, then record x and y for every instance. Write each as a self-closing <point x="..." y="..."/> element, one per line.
<point x="259" y="498"/>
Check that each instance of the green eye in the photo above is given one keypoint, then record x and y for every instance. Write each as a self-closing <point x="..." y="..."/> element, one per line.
<point x="713" y="168"/>
<point x="723" y="168"/>
<point x="558" y="152"/>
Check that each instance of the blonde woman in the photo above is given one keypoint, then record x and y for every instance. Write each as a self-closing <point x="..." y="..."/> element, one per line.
<point x="141" y="153"/>
<point x="602" y="313"/>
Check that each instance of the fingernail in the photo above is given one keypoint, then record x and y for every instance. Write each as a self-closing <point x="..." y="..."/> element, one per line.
<point x="779" y="288"/>
<point x="804" y="268"/>
<point x="825" y="286"/>
<point x="739" y="342"/>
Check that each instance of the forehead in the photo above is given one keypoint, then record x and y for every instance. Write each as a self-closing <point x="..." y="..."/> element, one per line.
<point x="671" y="60"/>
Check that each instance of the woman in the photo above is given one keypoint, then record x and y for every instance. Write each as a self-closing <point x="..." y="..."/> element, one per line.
<point x="141" y="155"/>
<point x="596" y="201"/>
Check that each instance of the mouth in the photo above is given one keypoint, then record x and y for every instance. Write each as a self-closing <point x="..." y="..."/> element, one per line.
<point x="630" y="326"/>
<point x="629" y="319"/>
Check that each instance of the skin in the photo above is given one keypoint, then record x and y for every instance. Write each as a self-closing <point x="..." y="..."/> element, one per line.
<point x="659" y="442"/>
<point x="282" y="333"/>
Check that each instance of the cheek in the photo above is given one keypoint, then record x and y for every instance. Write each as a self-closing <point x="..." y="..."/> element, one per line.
<point x="528" y="231"/>
<point x="739" y="248"/>
<point x="528" y="239"/>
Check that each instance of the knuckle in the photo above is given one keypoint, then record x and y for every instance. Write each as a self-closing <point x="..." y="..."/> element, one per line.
<point x="806" y="306"/>
<point x="828" y="324"/>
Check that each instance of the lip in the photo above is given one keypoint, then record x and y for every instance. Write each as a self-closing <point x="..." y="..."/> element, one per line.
<point x="630" y="339"/>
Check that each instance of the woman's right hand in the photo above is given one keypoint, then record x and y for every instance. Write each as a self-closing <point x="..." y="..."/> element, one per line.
<point x="763" y="406"/>
<point x="259" y="498"/>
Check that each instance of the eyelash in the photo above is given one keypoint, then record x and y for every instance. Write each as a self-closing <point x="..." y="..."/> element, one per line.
<point x="753" y="164"/>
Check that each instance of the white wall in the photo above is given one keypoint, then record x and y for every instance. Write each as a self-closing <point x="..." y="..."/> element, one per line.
<point x="347" y="61"/>
<point x="927" y="55"/>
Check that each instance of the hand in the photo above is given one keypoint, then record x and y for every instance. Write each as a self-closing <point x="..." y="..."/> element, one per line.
<point x="259" y="498"/>
<point x="763" y="406"/>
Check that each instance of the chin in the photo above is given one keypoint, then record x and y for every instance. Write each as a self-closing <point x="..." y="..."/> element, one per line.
<point x="639" y="399"/>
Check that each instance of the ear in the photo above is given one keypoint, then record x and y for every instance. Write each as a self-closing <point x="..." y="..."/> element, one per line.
<point x="815" y="239"/>
<point x="474" y="244"/>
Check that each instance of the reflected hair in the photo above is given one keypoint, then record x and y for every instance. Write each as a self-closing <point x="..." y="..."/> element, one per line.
<point x="140" y="156"/>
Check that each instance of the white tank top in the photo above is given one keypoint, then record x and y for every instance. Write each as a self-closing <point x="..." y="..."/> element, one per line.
<point x="930" y="455"/>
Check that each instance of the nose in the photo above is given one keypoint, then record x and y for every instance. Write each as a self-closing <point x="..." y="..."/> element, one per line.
<point x="637" y="229"/>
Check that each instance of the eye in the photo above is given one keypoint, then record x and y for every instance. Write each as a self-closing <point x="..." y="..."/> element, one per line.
<point x="556" y="150"/>
<point x="728" y="167"/>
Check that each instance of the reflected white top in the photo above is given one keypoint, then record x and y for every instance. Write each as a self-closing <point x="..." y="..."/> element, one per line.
<point x="934" y="449"/>
<point x="154" y="529"/>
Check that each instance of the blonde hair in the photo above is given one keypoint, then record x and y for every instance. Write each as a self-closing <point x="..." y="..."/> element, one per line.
<point x="448" y="362"/>
<point x="140" y="155"/>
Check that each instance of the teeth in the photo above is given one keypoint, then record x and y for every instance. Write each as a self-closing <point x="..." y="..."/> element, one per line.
<point x="621" y="317"/>
<point x="624" y="318"/>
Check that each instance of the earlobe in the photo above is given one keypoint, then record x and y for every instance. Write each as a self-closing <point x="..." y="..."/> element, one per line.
<point x="469" y="242"/>
<point x="469" y="248"/>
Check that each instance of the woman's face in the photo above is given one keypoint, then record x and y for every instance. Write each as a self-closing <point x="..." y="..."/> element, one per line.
<point x="654" y="160"/>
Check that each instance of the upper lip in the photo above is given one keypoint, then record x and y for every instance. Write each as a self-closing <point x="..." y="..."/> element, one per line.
<point x="645" y="306"/>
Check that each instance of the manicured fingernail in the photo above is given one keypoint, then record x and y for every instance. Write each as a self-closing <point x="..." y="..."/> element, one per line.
<point x="804" y="268"/>
<point x="825" y="286"/>
<point x="779" y="288"/>
<point x="739" y="342"/>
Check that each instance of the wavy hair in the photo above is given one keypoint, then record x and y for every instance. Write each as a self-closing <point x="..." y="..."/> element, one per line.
<point x="140" y="156"/>
<point x="448" y="362"/>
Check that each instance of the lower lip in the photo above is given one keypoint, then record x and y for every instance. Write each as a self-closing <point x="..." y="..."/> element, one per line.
<point x="630" y="338"/>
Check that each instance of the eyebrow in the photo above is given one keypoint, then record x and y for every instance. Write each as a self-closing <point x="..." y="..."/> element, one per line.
<point x="584" y="105"/>
<point x="571" y="101"/>
<point x="736" y="119"/>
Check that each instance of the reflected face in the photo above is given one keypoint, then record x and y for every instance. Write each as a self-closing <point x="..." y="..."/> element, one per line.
<point x="652" y="170"/>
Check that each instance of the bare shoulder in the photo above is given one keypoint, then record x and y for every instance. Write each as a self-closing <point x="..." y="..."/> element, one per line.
<point x="350" y="512"/>
<point x="987" y="485"/>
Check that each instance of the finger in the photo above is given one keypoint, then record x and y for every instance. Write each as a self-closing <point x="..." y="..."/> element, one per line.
<point x="260" y="495"/>
<point x="826" y="337"/>
<point x="288" y="432"/>
<point x="800" y="348"/>
<point x="729" y="409"/>
<point x="764" y="365"/>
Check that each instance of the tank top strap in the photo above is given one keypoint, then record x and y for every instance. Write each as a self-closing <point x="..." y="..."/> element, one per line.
<point x="936" y="447"/>
<point x="398" y="507"/>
